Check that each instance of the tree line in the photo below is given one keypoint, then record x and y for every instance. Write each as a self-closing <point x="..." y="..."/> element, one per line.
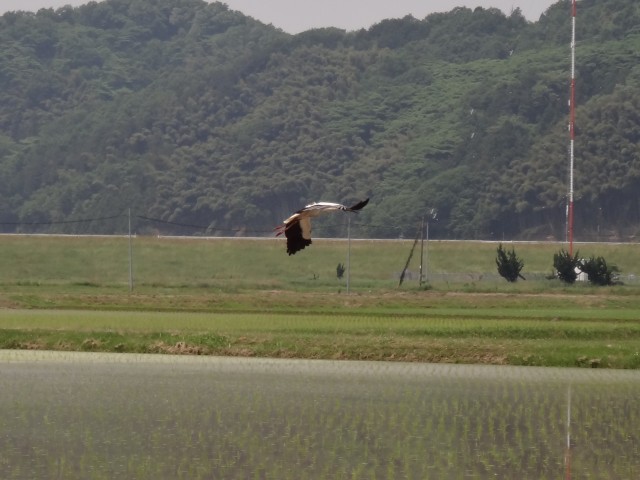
<point x="196" y="114"/>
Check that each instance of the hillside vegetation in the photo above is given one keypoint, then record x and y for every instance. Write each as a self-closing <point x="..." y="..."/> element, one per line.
<point x="208" y="121"/>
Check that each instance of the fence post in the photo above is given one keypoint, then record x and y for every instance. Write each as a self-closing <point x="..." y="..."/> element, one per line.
<point x="130" y="256"/>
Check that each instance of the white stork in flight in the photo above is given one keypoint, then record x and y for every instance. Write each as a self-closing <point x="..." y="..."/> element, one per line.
<point x="297" y="228"/>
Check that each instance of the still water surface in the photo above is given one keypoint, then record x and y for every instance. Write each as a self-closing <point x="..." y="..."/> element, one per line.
<point x="87" y="415"/>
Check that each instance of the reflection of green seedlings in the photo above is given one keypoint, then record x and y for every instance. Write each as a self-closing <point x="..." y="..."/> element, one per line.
<point x="196" y="420"/>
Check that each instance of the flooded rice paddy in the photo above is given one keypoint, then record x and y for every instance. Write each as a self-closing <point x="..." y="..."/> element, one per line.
<point x="86" y="415"/>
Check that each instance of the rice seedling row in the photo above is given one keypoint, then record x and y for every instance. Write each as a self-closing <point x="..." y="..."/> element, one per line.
<point x="75" y="417"/>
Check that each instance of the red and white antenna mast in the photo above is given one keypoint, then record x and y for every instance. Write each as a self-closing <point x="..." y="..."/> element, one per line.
<point x="572" y="129"/>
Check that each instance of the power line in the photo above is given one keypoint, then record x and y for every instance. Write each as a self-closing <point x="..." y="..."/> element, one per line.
<point x="167" y="222"/>
<point x="208" y="228"/>
<point x="198" y="227"/>
<point x="62" y="222"/>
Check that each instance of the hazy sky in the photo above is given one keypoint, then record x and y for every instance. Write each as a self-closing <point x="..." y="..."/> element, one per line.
<point x="294" y="16"/>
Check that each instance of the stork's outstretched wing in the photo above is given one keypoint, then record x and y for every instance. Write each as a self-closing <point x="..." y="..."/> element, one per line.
<point x="358" y="206"/>
<point x="297" y="228"/>
<point x="298" y="235"/>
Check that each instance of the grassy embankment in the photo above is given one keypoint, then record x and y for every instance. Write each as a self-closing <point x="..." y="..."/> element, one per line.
<point x="243" y="297"/>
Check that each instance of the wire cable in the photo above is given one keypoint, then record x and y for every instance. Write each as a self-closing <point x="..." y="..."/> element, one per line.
<point x="62" y="222"/>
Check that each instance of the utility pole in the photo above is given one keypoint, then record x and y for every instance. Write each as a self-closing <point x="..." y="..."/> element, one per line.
<point x="432" y="216"/>
<point x="572" y="129"/>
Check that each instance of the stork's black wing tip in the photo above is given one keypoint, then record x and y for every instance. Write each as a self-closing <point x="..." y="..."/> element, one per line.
<point x="359" y="205"/>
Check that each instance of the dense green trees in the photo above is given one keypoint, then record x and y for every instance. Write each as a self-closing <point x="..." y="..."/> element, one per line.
<point x="191" y="113"/>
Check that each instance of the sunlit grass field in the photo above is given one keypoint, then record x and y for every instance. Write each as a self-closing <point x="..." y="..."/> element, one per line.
<point x="237" y="264"/>
<point x="439" y="335"/>
<point x="247" y="297"/>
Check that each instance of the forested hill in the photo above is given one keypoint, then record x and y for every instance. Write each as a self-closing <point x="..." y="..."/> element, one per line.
<point x="193" y="114"/>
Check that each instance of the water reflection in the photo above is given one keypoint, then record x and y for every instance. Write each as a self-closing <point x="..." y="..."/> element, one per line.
<point x="83" y="415"/>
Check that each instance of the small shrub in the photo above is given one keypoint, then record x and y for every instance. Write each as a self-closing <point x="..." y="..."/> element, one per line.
<point x="598" y="272"/>
<point x="566" y="265"/>
<point x="509" y="265"/>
